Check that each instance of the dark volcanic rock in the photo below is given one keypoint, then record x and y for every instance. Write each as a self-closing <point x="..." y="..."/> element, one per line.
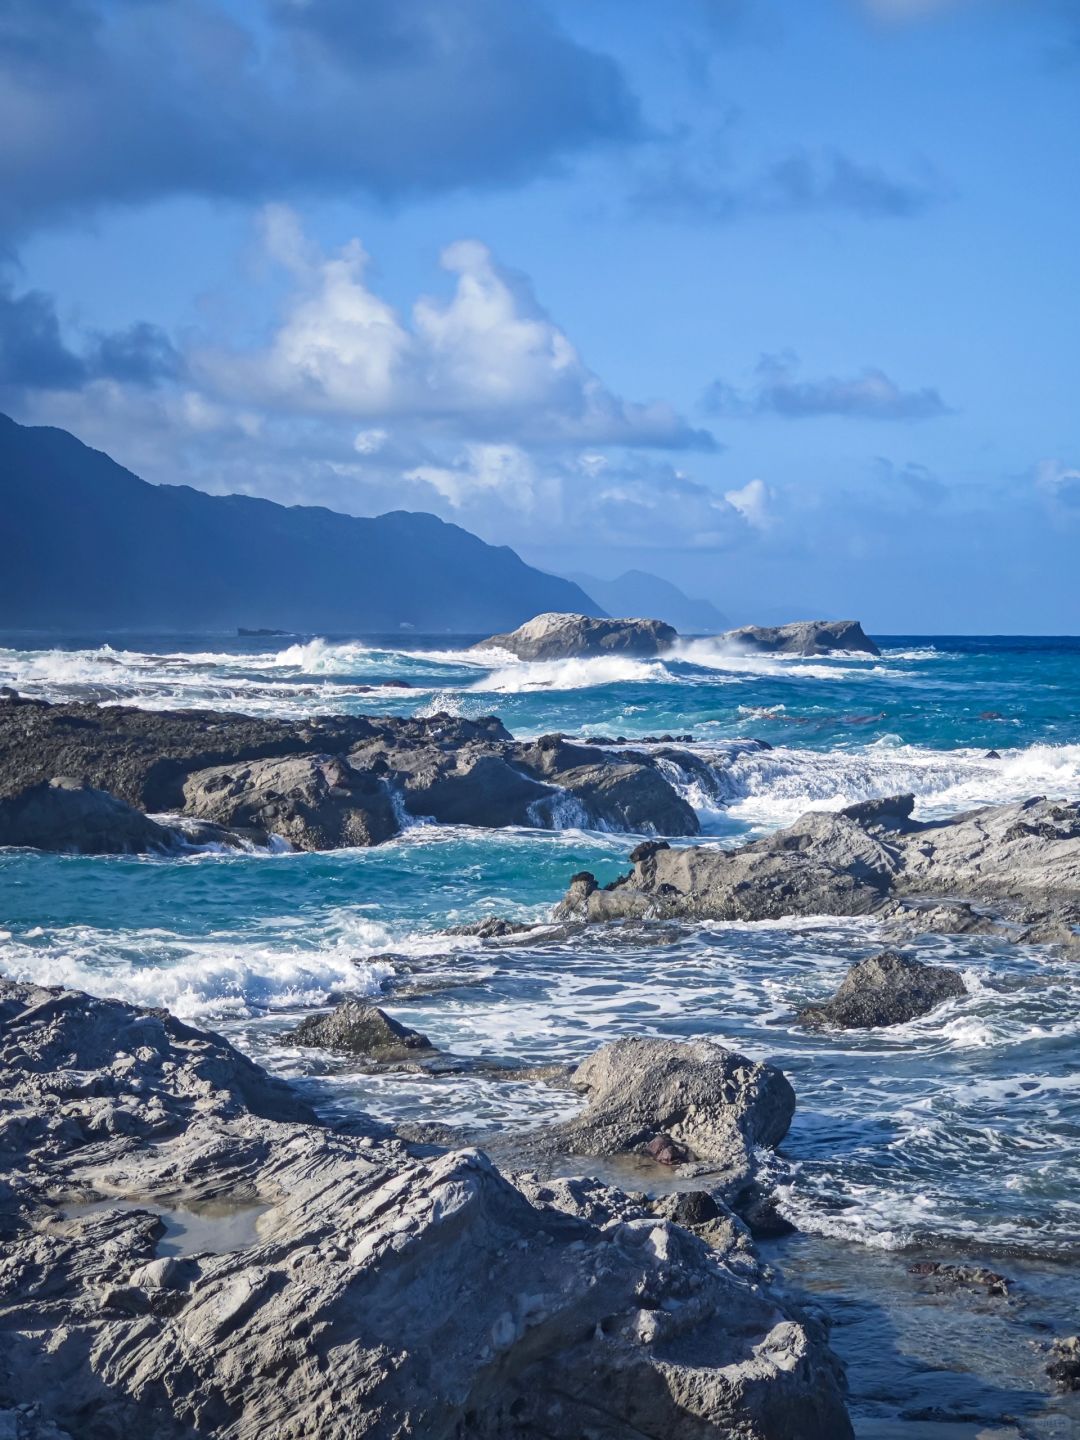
<point x="380" y="1293"/>
<point x="558" y="636"/>
<point x="1064" y="1367"/>
<point x="64" y="815"/>
<point x="887" y="989"/>
<point x="338" y="780"/>
<point x="360" y="1029"/>
<point x="973" y="1277"/>
<point x="803" y="637"/>
<point x="316" y="802"/>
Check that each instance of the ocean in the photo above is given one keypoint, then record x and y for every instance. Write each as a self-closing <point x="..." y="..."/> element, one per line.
<point x="956" y="1136"/>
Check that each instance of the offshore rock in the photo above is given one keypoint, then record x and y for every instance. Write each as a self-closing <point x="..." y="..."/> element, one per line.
<point x="360" y="1030"/>
<point x="1019" y="860"/>
<point x="887" y="989"/>
<point x="341" y="780"/>
<point x="803" y="637"/>
<point x="556" y="636"/>
<point x="375" y="1295"/>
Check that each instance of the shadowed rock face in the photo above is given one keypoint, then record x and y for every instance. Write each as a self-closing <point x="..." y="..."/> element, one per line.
<point x="567" y="637"/>
<point x="328" y="782"/>
<point x="1021" y="860"/>
<point x="803" y="637"/>
<point x="381" y="1295"/>
<point x="886" y="989"/>
<point x="63" y="814"/>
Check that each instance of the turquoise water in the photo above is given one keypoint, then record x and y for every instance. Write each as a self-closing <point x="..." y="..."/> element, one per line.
<point x="961" y="1130"/>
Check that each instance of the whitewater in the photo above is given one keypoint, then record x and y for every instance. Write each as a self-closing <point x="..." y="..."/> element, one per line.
<point x="953" y="1135"/>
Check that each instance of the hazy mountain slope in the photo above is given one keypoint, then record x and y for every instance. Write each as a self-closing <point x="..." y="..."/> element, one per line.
<point x="87" y="545"/>
<point x="638" y="593"/>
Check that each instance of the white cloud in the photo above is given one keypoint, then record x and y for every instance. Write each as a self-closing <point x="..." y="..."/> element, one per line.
<point x="487" y="363"/>
<point x="752" y="503"/>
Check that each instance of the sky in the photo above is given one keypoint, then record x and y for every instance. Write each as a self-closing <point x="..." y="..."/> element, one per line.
<point x="774" y="298"/>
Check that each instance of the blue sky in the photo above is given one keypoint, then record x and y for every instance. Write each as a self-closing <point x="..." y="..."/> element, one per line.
<point x="776" y="299"/>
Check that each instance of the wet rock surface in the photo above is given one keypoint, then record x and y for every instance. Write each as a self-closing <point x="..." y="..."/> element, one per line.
<point x="687" y="1104"/>
<point x="358" y="1029"/>
<point x="1064" y="1366"/>
<point x="886" y="989"/>
<point x="802" y="637"/>
<point x="383" y="1292"/>
<point x="328" y="782"/>
<point x="65" y="815"/>
<point x="558" y="636"/>
<point x="1018" y="861"/>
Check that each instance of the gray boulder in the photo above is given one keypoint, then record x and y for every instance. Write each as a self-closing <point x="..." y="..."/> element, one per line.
<point x="374" y="1294"/>
<point x="65" y="815"/>
<point x="887" y="989"/>
<point x="315" y="802"/>
<point x="556" y="636"/>
<point x="360" y="1030"/>
<point x="1020" y="860"/>
<point x="689" y="1102"/>
<point x="802" y="637"/>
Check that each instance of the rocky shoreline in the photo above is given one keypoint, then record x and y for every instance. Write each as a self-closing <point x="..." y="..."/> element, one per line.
<point x="113" y="779"/>
<point x="1007" y="870"/>
<point x="357" y="1285"/>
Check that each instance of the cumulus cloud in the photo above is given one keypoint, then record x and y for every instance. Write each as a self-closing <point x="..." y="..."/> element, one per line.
<point x="35" y="356"/>
<point x="110" y="101"/>
<point x="800" y="182"/>
<point x="1060" y="484"/>
<point x="487" y="362"/>
<point x="777" y="390"/>
<point x="752" y="503"/>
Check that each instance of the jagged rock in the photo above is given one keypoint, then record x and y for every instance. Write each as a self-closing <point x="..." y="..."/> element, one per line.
<point x="342" y="780"/>
<point x="864" y="861"/>
<point x="360" y="1029"/>
<point x="378" y="1294"/>
<point x="887" y="989"/>
<point x="492" y="927"/>
<point x="65" y="815"/>
<point x="680" y="1101"/>
<point x="976" y="1277"/>
<point x="1064" y="1367"/>
<point x="315" y="802"/>
<point x="557" y="636"/>
<point x="803" y="637"/>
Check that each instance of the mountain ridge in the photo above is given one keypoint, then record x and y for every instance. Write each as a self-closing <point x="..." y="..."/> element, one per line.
<point x="90" y="544"/>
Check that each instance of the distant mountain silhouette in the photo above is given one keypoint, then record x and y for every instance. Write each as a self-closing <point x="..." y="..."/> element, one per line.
<point x="88" y="545"/>
<point x="638" y="593"/>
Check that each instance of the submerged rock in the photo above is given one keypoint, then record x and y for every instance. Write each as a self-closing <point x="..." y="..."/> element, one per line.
<point x="382" y="1294"/>
<point x="557" y="636"/>
<point x="887" y="989"/>
<point x="65" y="815"/>
<point x="803" y="637"/>
<point x="976" y="1277"/>
<point x="360" y="1029"/>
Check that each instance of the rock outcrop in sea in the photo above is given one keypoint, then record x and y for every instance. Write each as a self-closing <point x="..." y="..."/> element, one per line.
<point x="802" y="637"/>
<point x="1021" y="862"/>
<point x="341" y="1284"/>
<point x="558" y="636"/>
<point x="887" y="989"/>
<point x="318" y="784"/>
